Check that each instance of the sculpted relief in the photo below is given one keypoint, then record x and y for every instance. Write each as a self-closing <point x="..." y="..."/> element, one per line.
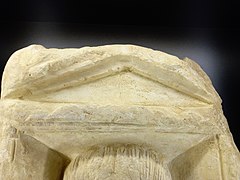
<point x="115" y="112"/>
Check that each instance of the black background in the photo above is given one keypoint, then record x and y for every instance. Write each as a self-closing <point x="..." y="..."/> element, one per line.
<point x="206" y="31"/>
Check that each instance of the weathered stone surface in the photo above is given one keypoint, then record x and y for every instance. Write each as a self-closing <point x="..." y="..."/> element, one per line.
<point x="111" y="112"/>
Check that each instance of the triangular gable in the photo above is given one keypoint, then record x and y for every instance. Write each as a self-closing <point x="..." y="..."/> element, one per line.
<point x="125" y="88"/>
<point x="49" y="70"/>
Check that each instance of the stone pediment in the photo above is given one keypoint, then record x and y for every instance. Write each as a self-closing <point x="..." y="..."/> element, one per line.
<point x="103" y="111"/>
<point x="43" y="71"/>
<point x="123" y="88"/>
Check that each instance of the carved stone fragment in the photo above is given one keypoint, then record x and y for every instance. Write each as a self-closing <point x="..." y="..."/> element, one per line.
<point x="111" y="112"/>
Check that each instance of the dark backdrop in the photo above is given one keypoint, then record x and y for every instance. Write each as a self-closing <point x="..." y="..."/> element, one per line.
<point x="205" y="31"/>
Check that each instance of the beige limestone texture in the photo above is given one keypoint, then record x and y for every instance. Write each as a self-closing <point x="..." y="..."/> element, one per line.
<point x="111" y="112"/>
